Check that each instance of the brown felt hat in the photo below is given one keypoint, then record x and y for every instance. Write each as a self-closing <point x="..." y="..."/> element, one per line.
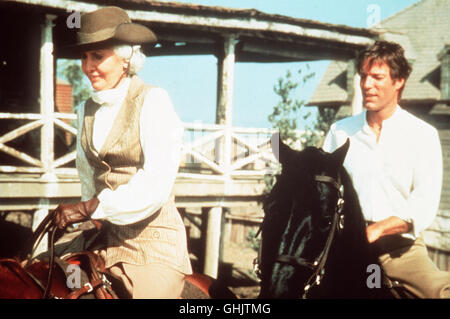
<point x="109" y="26"/>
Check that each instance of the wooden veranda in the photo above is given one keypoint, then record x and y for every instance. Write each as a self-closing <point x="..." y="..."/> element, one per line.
<point x="223" y="165"/>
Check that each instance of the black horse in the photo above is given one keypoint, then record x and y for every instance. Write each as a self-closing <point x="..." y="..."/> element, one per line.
<point x="314" y="242"/>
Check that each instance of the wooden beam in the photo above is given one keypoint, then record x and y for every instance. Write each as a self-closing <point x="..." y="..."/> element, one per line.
<point x="47" y="95"/>
<point x="20" y="155"/>
<point x="225" y="83"/>
<point x="224" y="109"/>
<point x="213" y="235"/>
<point x="444" y="58"/>
<point x="20" y="131"/>
<point x="283" y="51"/>
<point x="167" y="49"/>
<point x="354" y="92"/>
<point x="31" y="189"/>
<point x="220" y="23"/>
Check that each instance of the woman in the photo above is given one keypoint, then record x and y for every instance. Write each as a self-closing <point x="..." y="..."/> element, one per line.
<point x="128" y="154"/>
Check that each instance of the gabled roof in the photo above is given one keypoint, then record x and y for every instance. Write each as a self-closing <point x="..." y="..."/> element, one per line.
<point x="422" y="29"/>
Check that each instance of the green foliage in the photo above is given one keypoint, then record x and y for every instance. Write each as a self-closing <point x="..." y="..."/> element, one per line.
<point x="315" y="134"/>
<point x="72" y="73"/>
<point x="253" y="241"/>
<point x="286" y="112"/>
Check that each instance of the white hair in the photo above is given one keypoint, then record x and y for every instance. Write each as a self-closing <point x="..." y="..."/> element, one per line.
<point x="133" y="56"/>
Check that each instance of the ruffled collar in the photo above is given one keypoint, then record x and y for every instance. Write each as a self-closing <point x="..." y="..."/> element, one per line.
<point x="111" y="96"/>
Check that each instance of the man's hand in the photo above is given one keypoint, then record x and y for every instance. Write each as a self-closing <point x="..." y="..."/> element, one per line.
<point x="374" y="232"/>
<point x="390" y="226"/>
<point x="67" y="214"/>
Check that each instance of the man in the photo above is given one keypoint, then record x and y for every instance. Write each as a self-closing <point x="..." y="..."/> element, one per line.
<point x="395" y="162"/>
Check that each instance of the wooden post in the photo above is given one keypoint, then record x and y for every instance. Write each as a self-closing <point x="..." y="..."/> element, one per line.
<point x="224" y="109"/>
<point x="47" y="97"/>
<point x="213" y="234"/>
<point x="38" y="217"/>
<point x="357" y="101"/>
<point x="354" y="88"/>
<point x="225" y="83"/>
<point x="47" y="109"/>
<point x="444" y="58"/>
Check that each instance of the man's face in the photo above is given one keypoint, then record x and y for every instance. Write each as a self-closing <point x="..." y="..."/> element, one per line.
<point x="379" y="90"/>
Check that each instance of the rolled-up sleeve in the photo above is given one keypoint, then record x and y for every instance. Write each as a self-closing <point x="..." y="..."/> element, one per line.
<point x="161" y="134"/>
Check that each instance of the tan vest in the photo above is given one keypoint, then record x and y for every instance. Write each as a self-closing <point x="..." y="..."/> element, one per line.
<point x="161" y="238"/>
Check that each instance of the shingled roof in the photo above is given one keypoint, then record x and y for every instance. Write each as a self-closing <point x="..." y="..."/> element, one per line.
<point x="423" y="29"/>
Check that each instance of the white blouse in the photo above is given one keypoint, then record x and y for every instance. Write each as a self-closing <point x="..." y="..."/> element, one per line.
<point x="161" y="140"/>
<point x="401" y="175"/>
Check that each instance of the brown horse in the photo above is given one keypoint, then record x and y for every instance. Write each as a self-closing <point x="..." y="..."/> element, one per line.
<point x="26" y="278"/>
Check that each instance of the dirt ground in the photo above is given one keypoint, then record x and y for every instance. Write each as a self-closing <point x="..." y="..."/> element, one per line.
<point x="243" y="282"/>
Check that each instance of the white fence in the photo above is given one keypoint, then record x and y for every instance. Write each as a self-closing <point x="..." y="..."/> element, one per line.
<point x="46" y="163"/>
<point x="209" y="150"/>
<point x="221" y="152"/>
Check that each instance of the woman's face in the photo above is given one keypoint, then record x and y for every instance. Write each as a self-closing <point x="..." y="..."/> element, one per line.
<point x="104" y="68"/>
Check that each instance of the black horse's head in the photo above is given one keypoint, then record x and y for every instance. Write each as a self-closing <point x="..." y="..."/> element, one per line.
<point x="299" y="213"/>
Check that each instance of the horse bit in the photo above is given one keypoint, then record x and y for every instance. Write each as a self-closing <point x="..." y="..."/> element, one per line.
<point x="318" y="266"/>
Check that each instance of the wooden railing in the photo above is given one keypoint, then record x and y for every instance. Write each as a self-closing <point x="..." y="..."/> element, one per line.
<point x="46" y="163"/>
<point x="220" y="152"/>
<point x="209" y="151"/>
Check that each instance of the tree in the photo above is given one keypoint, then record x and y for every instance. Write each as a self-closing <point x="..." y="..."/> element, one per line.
<point x="287" y="112"/>
<point x="315" y="134"/>
<point x="71" y="71"/>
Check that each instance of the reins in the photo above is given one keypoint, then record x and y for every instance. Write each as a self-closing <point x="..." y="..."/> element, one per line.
<point x="46" y="226"/>
<point x="318" y="266"/>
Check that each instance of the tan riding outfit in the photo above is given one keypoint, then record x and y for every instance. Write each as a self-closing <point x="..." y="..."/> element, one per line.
<point x="147" y="248"/>
<point x="128" y="153"/>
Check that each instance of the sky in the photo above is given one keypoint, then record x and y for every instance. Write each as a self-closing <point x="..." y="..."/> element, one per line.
<point x="192" y="80"/>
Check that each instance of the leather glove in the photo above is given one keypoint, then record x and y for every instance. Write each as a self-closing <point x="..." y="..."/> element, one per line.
<point x="67" y="214"/>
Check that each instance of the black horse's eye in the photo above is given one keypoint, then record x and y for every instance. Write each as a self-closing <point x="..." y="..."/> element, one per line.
<point x="325" y="223"/>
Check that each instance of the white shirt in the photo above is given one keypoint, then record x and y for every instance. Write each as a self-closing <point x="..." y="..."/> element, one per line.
<point x="401" y="175"/>
<point x="161" y="134"/>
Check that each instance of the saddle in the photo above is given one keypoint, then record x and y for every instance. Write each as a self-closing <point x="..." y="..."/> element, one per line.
<point x="72" y="276"/>
<point x="94" y="276"/>
<point x="393" y="245"/>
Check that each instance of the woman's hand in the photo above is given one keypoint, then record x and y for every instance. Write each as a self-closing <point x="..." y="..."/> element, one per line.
<point x="67" y="214"/>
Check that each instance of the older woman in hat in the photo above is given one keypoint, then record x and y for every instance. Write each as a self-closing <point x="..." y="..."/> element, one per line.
<point x="128" y="154"/>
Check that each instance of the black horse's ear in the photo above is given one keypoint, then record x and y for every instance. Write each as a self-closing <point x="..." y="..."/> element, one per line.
<point x="279" y="149"/>
<point x="338" y="156"/>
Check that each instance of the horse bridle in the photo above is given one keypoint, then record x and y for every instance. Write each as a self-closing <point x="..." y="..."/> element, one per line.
<point x="318" y="265"/>
<point x="47" y="226"/>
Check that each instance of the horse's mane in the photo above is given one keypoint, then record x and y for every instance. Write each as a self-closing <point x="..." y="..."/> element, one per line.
<point x="352" y="208"/>
<point x="350" y="253"/>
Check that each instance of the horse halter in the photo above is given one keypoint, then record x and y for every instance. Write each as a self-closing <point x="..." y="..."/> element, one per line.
<point x="318" y="265"/>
